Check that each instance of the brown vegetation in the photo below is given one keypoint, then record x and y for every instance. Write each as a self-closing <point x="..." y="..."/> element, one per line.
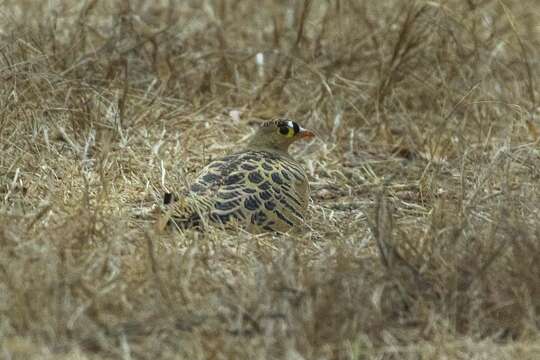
<point x="424" y="236"/>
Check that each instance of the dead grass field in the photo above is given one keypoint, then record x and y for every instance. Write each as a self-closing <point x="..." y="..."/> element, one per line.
<point x="424" y="235"/>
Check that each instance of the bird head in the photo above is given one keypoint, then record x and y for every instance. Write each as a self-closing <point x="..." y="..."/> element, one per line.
<point x="278" y="135"/>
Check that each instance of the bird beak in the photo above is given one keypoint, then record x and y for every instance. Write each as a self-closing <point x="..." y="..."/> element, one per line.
<point x="305" y="134"/>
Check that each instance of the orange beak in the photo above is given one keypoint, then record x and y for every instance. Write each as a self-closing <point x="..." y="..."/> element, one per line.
<point x="305" y="134"/>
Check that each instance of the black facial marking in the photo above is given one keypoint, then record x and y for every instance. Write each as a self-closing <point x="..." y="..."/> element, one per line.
<point x="281" y="123"/>
<point x="296" y="128"/>
<point x="284" y="130"/>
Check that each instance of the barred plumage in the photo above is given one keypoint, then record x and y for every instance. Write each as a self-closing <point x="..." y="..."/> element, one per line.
<point x="261" y="188"/>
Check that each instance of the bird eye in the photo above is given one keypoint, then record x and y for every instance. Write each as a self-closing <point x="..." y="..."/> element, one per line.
<point x="284" y="130"/>
<point x="288" y="128"/>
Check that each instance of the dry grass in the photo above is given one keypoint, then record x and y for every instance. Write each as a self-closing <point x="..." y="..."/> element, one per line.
<point x="424" y="238"/>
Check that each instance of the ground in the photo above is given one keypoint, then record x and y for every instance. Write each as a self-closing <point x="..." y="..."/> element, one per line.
<point x="423" y="240"/>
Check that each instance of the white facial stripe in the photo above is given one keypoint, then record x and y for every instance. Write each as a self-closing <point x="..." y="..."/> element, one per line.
<point x="290" y="124"/>
<point x="300" y="129"/>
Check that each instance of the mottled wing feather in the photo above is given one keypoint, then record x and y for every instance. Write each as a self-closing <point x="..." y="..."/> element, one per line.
<point x="260" y="190"/>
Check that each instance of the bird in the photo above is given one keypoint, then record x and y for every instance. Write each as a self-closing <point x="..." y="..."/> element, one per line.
<point x="260" y="188"/>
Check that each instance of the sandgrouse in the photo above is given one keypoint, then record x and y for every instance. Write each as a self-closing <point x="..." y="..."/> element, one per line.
<point x="260" y="188"/>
